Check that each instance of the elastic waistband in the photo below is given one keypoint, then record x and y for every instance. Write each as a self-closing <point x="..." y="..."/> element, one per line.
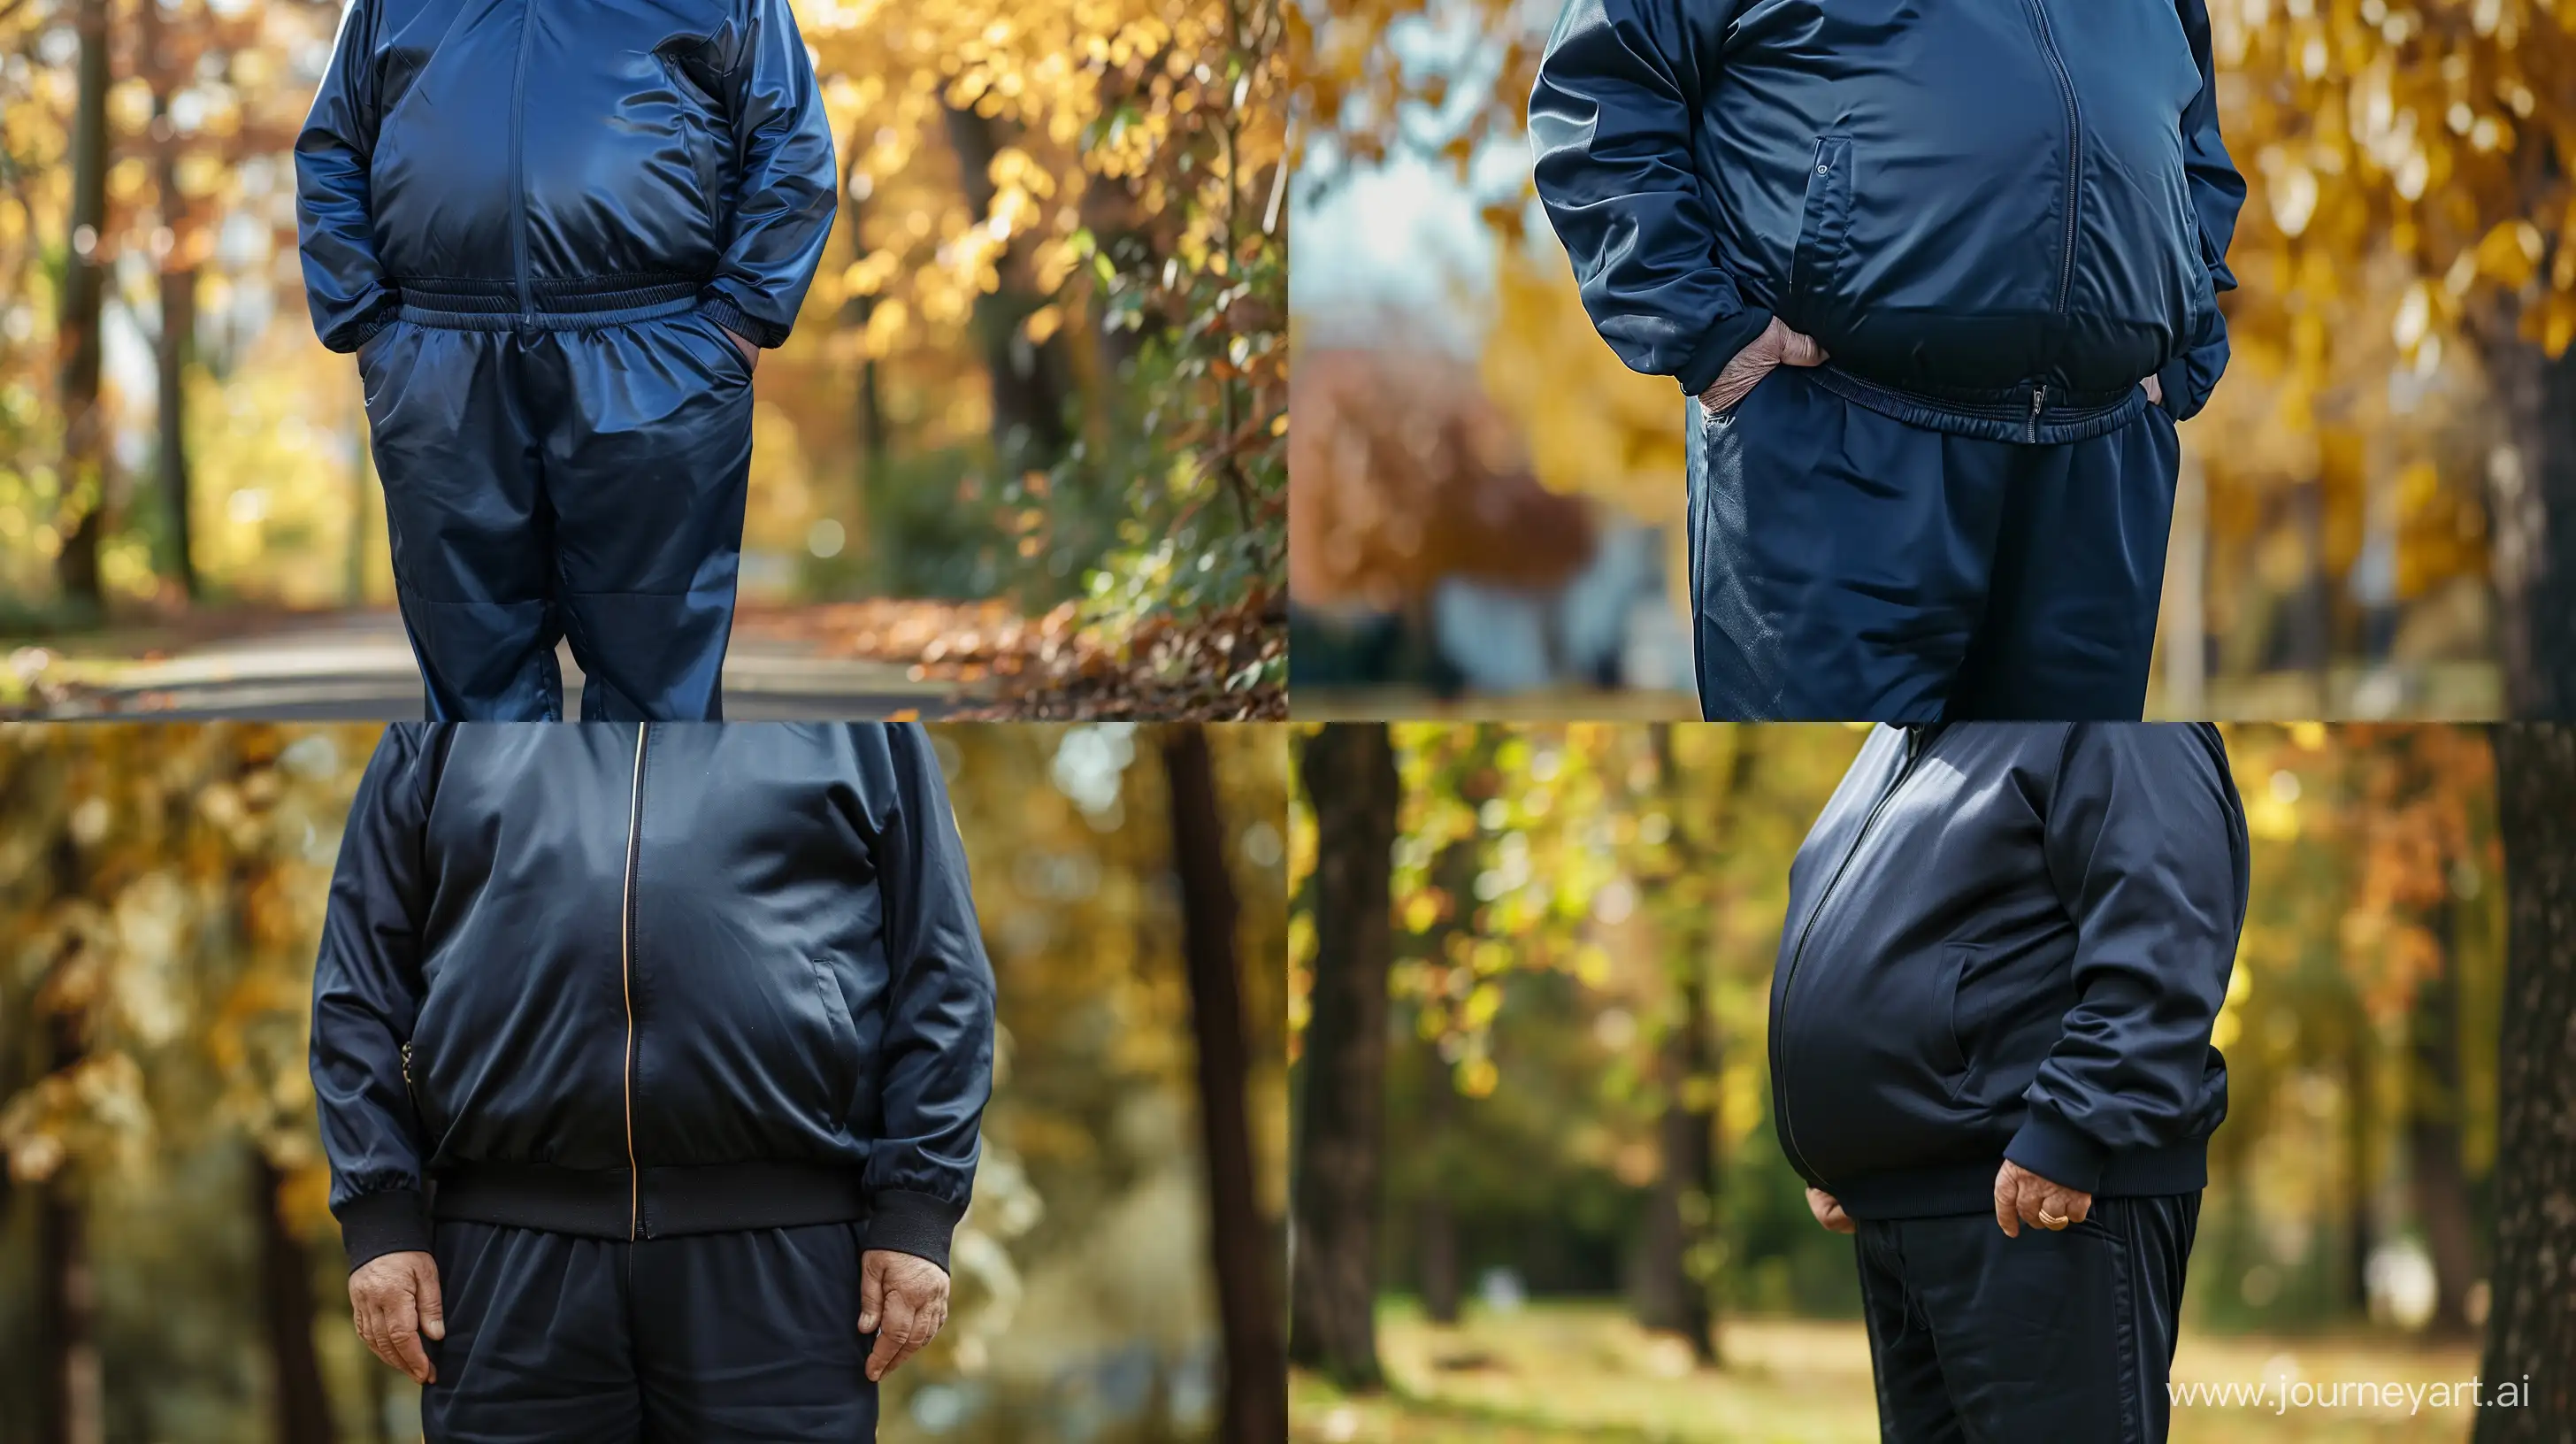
<point x="1969" y="1186"/>
<point x="2031" y="413"/>
<point x="466" y="304"/>
<point x="611" y="1203"/>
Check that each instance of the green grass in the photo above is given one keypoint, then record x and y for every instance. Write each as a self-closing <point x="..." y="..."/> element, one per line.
<point x="1562" y="1372"/>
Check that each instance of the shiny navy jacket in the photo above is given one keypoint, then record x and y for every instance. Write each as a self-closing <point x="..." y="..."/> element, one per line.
<point x="496" y="161"/>
<point x="1965" y="200"/>
<point x="2010" y="941"/>
<point x="631" y="982"/>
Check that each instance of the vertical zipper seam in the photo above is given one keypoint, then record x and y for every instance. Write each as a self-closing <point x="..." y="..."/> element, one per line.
<point x="1798" y="953"/>
<point x="626" y="980"/>
<point x="2074" y="147"/>
<point x="519" y="161"/>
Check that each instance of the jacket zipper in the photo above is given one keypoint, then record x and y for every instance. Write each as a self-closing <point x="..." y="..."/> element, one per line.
<point x="2074" y="147"/>
<point x="411" y="1087"/>
<point x="2038" y="402"/>
<point x="518" y="166"/>
<point x="1780" y="1008"/>
<point x="626" y="978"/>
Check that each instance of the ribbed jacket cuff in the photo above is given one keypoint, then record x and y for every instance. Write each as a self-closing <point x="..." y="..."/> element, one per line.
<point x="2051" y="1148"/>
<point x="915" y="1223"/>
<point x="1719" y="347"/>
<point x="375" y="1224"/>
<point x="351" y="336"/>
<point x="732" y="317"/>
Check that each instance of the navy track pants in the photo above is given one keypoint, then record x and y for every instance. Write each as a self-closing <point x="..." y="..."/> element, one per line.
<point x="1976" y="1338"/>
<point x="1848" y="566"/>
<point x="582" y="484"/>
<point x="695" y="1339"/>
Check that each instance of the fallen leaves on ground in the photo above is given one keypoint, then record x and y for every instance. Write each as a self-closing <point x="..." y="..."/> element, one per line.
<point x="1228" y="665"/>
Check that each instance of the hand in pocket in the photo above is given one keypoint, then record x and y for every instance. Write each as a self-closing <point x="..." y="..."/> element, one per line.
<point x="1776" y="346"/>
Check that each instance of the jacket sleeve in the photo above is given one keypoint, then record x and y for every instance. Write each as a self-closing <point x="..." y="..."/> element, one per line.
<point x="2217" y="192"/>
<point x="1611" y="122"/>
<point x="937" y="1067"/>
<point x="344" y="283"/>
<point x="787" y="183"/>
<point x="366" y="997"/>
<point x="2145" y="841"/>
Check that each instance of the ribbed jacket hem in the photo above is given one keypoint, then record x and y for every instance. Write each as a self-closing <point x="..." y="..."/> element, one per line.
<point x="1969" y="1186"/>
<point x="668" y="1202"/>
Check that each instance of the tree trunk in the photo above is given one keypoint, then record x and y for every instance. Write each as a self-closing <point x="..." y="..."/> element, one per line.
<point x="302" y="1410"/>
<point x="2532" y="502"/>
<point x="1032" y="383"/>
<point x="83" y="515"/>
<point x="178" y="277"/>
<point x="1349" y="776"/>
<point x="72" y="1406"/>
<point x="860" y="310"/>
<point x="1682" y="1235"/>
<point x="2531" y="1323"/>
<point x="2437" y="1168"/>
<point x="178" y="326"/>
<point x="1256" y="1392"/>
<point x="2361" y="1155"/>
<point x="1436" y="1223"/>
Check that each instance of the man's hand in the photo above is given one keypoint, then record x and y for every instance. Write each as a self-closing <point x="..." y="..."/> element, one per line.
<point x="393" y="1299"/>
<point x="2022" y="1196"/>
<point x="903" y="1300"/>
<point x="1829" y="1213"/>
<point x="750" y="353"/>
<point x="2155" y="391"/>
<point x="1776" y="346"/>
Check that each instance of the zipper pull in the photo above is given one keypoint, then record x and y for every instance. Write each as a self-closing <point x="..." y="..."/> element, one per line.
<point x="2038" y="399"/>
<point x="406" y="1064"/>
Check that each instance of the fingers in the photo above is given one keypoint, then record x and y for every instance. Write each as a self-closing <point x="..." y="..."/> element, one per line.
<point x="894" y="1339"/>
<point x="1800" y="349"/>
<point x="393" y="1299"/>
<point x="2008" y="1201"/>
<point x="1838" y="1221"/>
<point x="433" y="1306"/>
<point x="2155" y="390"/>
<point x="2070" y="1205"/>
<point x="871" y="1292"/>
<point x="404" y="1338"/>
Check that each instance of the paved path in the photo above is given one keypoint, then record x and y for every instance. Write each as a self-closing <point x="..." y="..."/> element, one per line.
<point x="357" y="666"/>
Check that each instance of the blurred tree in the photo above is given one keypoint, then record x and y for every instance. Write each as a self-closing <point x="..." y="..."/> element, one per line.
<point x="1256" y="1402"/>
<point x="2531" y="1325"/>
<point x="1350" y="780"/>
<point x="86" y="493"/>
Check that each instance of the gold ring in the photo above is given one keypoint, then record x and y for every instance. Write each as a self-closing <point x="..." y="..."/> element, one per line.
<point x="2050" y="1221"/>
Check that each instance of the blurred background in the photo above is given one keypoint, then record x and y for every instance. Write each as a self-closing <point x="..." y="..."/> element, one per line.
<point x="2367" y="511"/>
<point x="1027" y="438"/>
<point x="168" y="1271"/>
<point x="1538" y="1036"/>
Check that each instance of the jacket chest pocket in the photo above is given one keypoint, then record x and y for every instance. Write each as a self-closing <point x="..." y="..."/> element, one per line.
<point x="695" y="114"/>
<point x="1823" y="228"/>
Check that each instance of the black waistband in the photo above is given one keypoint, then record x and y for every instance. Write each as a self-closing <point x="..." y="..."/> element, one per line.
<point x="475" y="304"/>
<point x="608" y="1203"/>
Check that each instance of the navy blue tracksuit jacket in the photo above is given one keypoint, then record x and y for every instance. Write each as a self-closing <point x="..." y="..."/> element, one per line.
<point x="2012" y="941"/>
<point x="651" y="1030"/>
<point x="540" y="226"/>
<point x="1998" y="217"/>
